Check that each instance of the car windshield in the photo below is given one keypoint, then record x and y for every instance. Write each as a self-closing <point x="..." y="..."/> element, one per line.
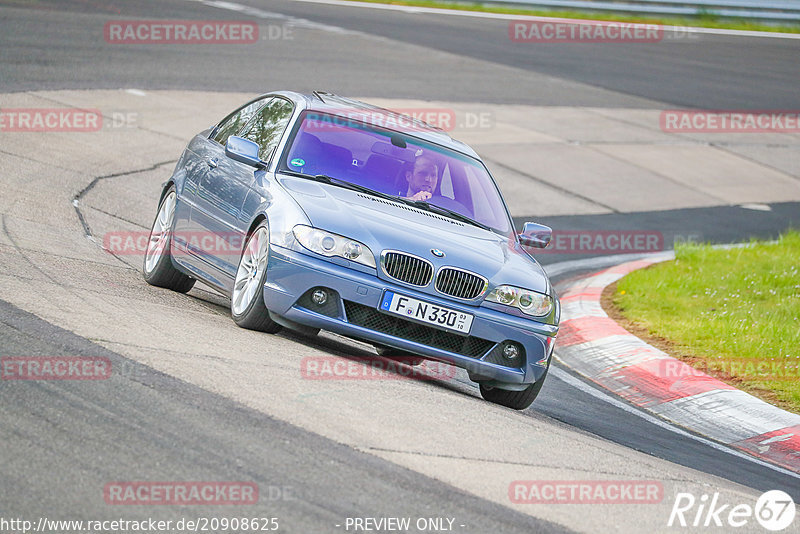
<point x="395" y="164"/>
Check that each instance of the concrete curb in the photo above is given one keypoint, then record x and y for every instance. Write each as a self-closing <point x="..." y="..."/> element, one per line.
<point x="598" y="348"/>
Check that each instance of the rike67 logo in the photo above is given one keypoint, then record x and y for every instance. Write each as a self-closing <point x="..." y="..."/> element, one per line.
<point x="774" y="510"/>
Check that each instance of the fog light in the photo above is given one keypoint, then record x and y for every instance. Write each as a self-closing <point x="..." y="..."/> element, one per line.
<point x="511" y="351"/>
<point x="320" y="297"/>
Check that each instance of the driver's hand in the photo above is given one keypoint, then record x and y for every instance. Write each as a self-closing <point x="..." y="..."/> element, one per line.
<point x="421" y="195"/>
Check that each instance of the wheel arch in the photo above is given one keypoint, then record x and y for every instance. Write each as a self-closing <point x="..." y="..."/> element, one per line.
<point x="261" y="217"/>
<point x="257" y="220"/>
<point x="169" y="183"/>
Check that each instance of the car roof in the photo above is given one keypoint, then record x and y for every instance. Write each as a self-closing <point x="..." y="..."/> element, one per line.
<point x="337" y="105"/>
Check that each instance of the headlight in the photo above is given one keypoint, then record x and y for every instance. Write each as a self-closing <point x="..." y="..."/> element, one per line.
<point x="329" y="244"/>
<point x="529" y="302"/>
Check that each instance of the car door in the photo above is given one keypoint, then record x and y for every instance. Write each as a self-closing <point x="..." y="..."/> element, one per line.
<point x="191" y="170"/>
<point x="207" y="152"/>
<point x="226" y="183"/>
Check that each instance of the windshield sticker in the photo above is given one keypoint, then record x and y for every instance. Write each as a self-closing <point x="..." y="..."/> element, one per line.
<point x="298" y="162"/>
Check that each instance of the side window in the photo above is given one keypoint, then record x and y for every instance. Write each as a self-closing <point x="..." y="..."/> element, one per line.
<point x="234" y="122"/>
<point x="267" y="126"/>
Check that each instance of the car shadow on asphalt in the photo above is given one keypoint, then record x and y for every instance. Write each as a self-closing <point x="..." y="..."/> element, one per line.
<point x="439" y="374"/>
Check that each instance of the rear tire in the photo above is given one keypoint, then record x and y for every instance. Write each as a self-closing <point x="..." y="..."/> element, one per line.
<point x="247" y="301"/>
<point x="157" y="267"/>
<point x="517" y="400"/>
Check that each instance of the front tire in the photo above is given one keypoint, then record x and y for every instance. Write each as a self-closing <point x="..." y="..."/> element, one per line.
<point x="517" y="400"/>
<point x="247" y="300"/>
<point x="157" y="267"/>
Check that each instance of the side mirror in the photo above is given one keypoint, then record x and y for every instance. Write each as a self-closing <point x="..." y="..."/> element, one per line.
<point x="243" y="150"/>
<point x="535" y="235"/>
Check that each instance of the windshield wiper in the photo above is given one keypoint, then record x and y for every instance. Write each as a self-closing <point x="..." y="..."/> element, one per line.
<point x="444" y="211"/>
<point x="324" y="178"/>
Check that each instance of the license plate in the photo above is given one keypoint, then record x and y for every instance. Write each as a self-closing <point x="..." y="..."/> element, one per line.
<point x="425" y="312"/>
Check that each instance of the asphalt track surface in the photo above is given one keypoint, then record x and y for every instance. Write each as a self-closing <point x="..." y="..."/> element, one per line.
<point x="706" y="72"/>
<point x="66" y="436"/>
<point x="173" y="431"/>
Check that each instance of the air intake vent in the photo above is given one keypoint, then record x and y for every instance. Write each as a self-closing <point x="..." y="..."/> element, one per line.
<point x="409" y="208"/>
<point x="370" y="318"/>
<point x="407" y="268"/>
<point x="460" y="284"/>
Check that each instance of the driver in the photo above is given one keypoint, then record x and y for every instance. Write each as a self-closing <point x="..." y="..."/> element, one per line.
<point x="422" y="179"/>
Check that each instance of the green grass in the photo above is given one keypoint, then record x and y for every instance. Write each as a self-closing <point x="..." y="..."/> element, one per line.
<point x="704" y="20"/>
<point x="734" y="312"/>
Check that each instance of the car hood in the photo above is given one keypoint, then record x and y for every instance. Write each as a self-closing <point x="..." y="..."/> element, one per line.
<point x="385" y="225"/>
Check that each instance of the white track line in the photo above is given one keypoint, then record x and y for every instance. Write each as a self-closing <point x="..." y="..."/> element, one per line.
<point x="600" y="262"/>
<point x="271" y="15"/>
<point x="506" y="16"/>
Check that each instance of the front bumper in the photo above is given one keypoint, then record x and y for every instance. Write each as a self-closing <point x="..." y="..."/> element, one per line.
<point x="354" y="313"/>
